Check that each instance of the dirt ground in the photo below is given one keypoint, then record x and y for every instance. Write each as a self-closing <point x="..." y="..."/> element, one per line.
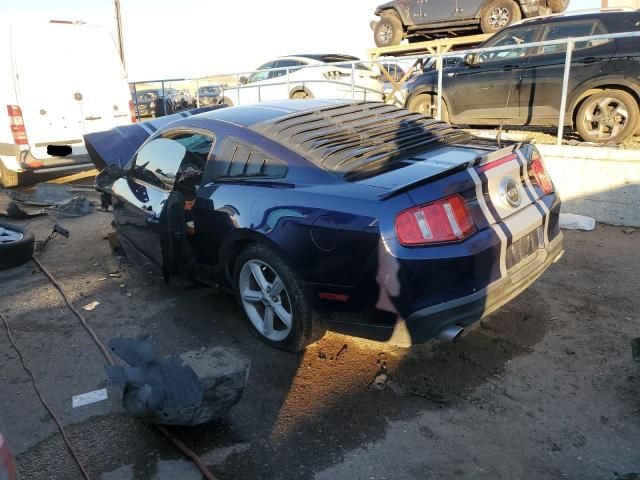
<point x="545" y="388"/>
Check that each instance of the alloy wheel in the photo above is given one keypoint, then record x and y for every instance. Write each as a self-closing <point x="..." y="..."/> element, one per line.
<point x="9" y="236"/>
<point x="499" y="17"/>
<point x="265" y="300"/>
<point x="605" y="118"/>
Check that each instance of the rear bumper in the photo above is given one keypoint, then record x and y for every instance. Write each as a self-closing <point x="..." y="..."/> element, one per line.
<point x="424" y="324"/>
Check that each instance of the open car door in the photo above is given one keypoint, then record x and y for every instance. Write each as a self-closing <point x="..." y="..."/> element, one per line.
<point x="172" y="230"/>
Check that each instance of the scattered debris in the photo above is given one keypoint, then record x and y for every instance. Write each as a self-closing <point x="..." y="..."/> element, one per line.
<point x="76" y="207"/>
<point x="380" y="382"/>
<point x="194" y="388"/>
<point x="89" y="398"/>
<point x="629" y="230"/>
<point x="44" y="195"/>
<point x="22" y="212"/>
<point x="570" y="221"/>
<point x="91" y="306"/>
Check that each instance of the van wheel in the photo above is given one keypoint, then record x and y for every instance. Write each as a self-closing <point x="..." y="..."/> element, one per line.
<point x="388" y="31"/>
<point x="274" y="300"/>
<point x="498" y="14"/>
<point x="610" y="116"/>
<point x="8" y="178"/>
<point x="16" y="245"/>
<point x="426" y="104"/>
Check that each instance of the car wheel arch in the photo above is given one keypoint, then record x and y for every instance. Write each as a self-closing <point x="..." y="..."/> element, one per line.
<point x="579" y="99"/>
<point x="428" y="91"/>
<point x="404" y="19"/>
<point x="300" y="89"/>
<point x="238" y="240"/>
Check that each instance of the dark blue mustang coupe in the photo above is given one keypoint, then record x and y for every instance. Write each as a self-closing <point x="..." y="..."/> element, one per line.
<point x="310" y="207"/>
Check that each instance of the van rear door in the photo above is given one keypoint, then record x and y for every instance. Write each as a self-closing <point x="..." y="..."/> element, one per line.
<point x="69" y="81"/>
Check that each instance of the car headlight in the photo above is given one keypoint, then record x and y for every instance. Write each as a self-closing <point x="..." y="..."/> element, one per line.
<point x="152" y="104"/>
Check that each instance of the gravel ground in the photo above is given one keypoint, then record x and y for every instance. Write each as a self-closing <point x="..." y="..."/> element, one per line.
<point x="545" y="388"/>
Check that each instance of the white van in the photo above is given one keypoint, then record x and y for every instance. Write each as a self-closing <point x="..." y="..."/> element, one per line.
<point x="58" y="81"/>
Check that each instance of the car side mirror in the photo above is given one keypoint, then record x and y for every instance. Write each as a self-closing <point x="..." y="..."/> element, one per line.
<point x="243" y="80"/>
<point x="470" y="59"/>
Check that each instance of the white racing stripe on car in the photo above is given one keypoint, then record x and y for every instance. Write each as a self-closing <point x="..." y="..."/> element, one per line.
<point x="145" y="128"/>
<point x="540" y="203"/>
<point x="492" y="221"/>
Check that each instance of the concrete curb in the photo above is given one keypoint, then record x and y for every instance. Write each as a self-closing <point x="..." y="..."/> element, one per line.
<point x="603" y="183"/>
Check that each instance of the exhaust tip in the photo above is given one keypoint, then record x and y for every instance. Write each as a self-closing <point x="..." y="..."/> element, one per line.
<point x="450" y="333"/>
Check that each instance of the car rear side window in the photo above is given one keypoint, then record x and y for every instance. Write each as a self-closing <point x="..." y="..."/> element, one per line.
<point x="238" y="160"/>
<point x="562" y="31"/>
<point x="291" y="64"/>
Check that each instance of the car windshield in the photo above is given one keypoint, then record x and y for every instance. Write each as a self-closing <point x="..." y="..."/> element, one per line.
<point x="147" y="95"/>
<point x="209" y="90"/>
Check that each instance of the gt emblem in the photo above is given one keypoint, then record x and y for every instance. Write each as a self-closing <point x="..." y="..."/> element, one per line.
<point x="510" y="192"/>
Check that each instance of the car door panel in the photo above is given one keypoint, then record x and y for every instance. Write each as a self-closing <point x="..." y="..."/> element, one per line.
<point x="543" y="72"/>
<point x="468" y="8"/>
<point x="425" y="11"/>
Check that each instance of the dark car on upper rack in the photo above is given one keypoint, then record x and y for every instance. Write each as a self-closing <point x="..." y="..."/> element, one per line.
<point x="313" y="206"/>
<point x="423" y="19"/>
<point x="523" y="86"/>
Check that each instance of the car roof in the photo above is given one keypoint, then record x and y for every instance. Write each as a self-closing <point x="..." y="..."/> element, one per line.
<point x="577" y="15"/>
<point x="325" y="57"/>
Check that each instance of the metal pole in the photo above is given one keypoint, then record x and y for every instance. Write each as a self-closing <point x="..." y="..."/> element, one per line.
<point x="197" y="92"/>
<point x="439" y="67"/>
<point x="353" y="80"/>
<point x="119" y="27"/>
<point x="164" y="100"/>
<point x="238" y="87"/>
<point x="135" y="99"/>
<point x="288" y="83"/>
<point x="565" y="85"/>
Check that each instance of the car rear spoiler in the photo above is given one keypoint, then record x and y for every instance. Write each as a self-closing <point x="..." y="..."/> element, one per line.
<point x="118" y="145"/>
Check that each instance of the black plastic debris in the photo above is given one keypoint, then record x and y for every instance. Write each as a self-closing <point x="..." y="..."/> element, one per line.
<point x="76" y="207"/>
<point x="635" y="349"/>
<point x="22" y="212"/>
<point x="193" y="388"/>
<point x="44" y="195"/>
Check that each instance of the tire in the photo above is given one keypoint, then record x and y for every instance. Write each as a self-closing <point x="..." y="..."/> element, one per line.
<point x="388" y="31"/>
<point x="594" y="120"/>
<point x="422" y="103"/>
<point x="8" y="178"/>
<point x="498" y="14"/>
<point x="17" y="250"/>
<point x="557" y="6"/>
<point x="301" y="95"/>
<point x="293" y="299"/>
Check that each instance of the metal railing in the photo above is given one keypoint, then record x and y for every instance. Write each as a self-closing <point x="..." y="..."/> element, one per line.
<point x="360" y="91"/>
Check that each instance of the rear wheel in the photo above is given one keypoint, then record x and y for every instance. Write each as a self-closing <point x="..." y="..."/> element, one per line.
<point x="557" y="6"/>
<point x="498" y="14"/>
<point x="8" y="178"/>
<point x="301" y="95"/>
<point x="388" y="31"/>
<point x="609" y="116"/>
<point x="426" y="104"/>
<point x="274" y="300"/>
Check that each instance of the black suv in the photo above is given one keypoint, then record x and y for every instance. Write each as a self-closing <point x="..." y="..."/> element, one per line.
<point x="523" y="86"/>
<point x="423" y="19"/>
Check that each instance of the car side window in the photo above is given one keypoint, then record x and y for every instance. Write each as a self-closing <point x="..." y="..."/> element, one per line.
<point x="566" y="30"/>
<point x="157" y="162"/>
<point x="198" y="146"/>
<point x="285" y="64"/>
<point x="516" y="36"/>
<point x="238" y="160"/>
<point x="260" y="76"/>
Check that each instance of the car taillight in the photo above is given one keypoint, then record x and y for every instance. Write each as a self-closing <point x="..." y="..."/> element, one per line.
<point x="132" y="111"/>
<point x="446" y="220"/>
<point x="17" y="125"/>
<point x="538" y="174"/>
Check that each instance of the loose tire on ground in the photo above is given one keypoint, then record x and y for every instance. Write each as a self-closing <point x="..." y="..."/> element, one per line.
<point x="305" y="327"/>
<point x="610" y="116"/>
<point x="8" y="178"/>
<point x="388" y="31"/>
<point x="14" y="251"/>
<point x="558" y="6"/>
<point x="423" y="103"/>
<point x="499" y="14"/>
